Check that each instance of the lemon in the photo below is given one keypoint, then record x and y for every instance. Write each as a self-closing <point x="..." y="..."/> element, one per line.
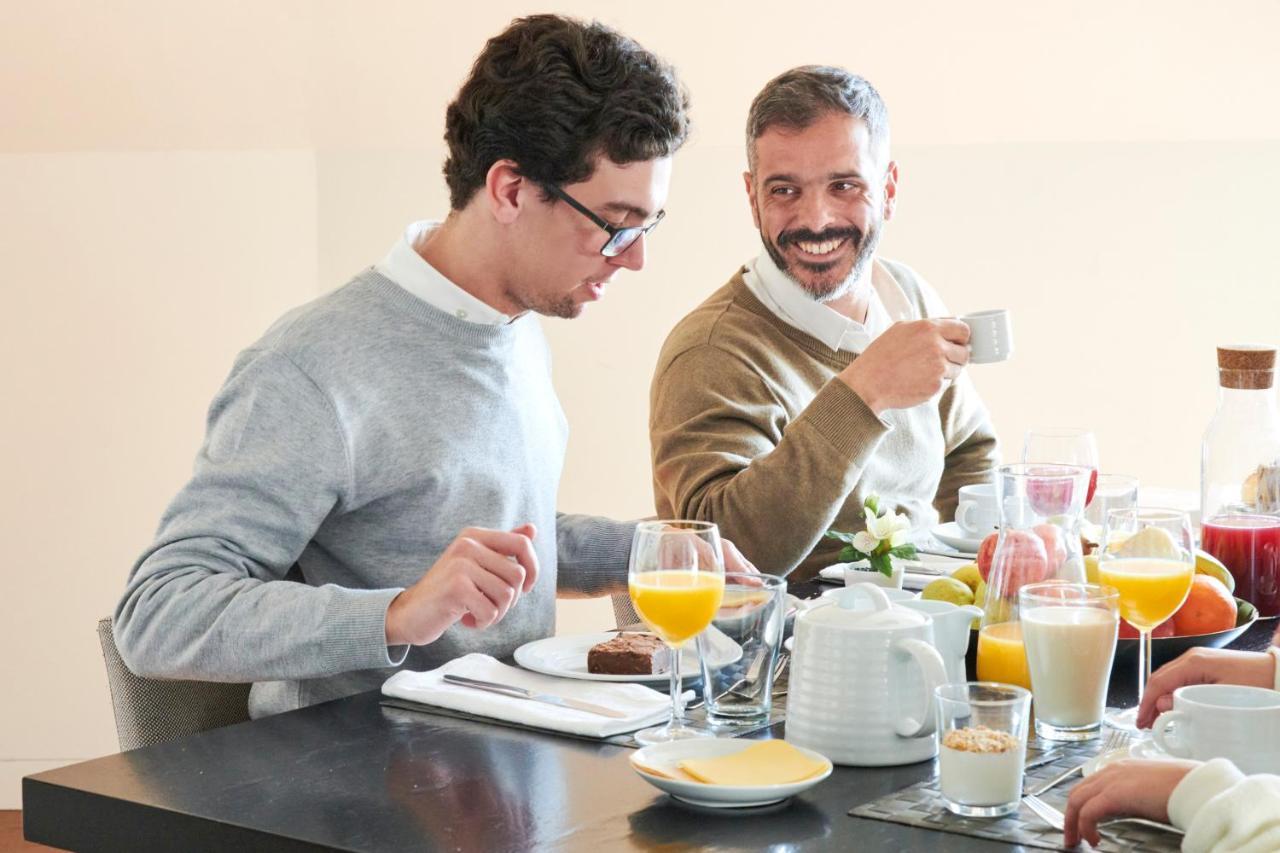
<point x="1150" y="542"/>
<point x="948" y="589"/>
<point x="1091" y="569"/>
<point x="1207" y="564"/>
<point x="980" y="599"/>
<point x="968" y="575"/>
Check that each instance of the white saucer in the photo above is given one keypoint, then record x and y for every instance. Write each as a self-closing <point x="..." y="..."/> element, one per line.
<point x="951" y="534"/>
<point x="566" y="656"/>
<point x="665" y="757"/>
<point x="1144" y="749"/>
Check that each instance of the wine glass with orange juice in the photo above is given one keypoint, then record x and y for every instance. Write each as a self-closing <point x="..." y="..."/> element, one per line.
<point x="1148" y="555"/>
<point x="676" y="580"/>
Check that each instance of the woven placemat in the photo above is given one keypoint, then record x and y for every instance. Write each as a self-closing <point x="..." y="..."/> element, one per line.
<point x="921" y="805"/>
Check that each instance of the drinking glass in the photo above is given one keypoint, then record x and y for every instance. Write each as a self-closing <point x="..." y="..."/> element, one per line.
<point x="1114" y="491"/>
<point x="676" y="580"/>
<point x="1148" y="555"/>
<point x="748" y="626"/>
<point x="1069" y="630"/>
<point x="1066" y="446"/>
<point x="983" y="732"/>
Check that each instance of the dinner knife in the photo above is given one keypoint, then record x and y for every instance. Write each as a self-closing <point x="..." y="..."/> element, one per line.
<point x="545" y="698"/>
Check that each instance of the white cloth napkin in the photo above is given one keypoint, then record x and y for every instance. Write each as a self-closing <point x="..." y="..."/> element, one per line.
<point x="642" y="705"/>
<point x="916" y="574"/>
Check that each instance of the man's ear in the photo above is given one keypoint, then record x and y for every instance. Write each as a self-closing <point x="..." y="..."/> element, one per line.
<point x="505" y="191"/>
<point x="751" y="198"/>
<point x="890" y="189"/>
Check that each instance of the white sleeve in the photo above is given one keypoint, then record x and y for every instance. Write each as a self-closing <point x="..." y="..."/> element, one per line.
<point x="1223" y="810"/>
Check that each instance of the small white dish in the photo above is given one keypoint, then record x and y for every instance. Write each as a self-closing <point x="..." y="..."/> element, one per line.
<point x="566" y="656"/>
<point x="666" y="757"/>
<point x="1145" y="749"/>
<point x="951" y="534"/>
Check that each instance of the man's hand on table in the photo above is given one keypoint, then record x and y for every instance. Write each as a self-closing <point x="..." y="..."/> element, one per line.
<point x="477" y="579"/>
<point x="734" y="561"/>
<point x="1204" y="666"/>
<point x="908" y="364"/>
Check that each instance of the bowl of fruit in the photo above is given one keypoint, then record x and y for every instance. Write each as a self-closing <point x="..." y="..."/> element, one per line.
<point x="1211" y="616"/>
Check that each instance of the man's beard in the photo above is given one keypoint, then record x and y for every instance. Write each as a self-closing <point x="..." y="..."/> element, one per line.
<point x="820" y="289"/>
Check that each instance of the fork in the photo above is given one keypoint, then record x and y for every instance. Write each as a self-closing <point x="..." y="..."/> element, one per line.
<point x="1058" y="820"/>
<point x="1116" y="739"/>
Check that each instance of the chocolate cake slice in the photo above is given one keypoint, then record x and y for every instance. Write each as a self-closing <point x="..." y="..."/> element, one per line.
<point x="629" y="654"/>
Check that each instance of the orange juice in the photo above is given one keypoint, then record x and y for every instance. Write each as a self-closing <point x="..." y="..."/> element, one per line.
<point x="676" y="604"/>
<point x="1151" y="589"/>
<point x="1001" y="655"/>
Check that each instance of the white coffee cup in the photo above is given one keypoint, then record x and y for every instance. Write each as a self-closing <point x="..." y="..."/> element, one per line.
<point x="978" y="511"/>
<point x="990" y="336"/>
<point x="1223" y="721"/>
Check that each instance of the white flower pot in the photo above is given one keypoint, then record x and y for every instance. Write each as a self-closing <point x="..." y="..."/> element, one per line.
<point x="861" y="572"/>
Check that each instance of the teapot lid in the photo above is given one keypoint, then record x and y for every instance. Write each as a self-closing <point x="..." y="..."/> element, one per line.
<point x="851" y="610"/>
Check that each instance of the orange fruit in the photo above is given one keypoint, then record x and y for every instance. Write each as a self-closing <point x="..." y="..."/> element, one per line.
<point x="1209" y="607"/>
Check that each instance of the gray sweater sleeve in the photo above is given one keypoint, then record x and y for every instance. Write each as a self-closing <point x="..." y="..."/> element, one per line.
<point x="592" y="555"/>
<point x="207" y="600"/>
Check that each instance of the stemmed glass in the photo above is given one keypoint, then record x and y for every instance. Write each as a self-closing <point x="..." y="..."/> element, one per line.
<point x="676" y="580"/>
<point x="1067" y="446"/>
<point x="1148" y="555"/>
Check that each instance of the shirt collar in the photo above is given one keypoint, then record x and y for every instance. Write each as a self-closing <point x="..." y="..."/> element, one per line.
<point x="887" y="305"/>
<point x="404" y="266"/>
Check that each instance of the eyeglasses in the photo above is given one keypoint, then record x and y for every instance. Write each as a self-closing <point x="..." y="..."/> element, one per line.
<point x="620" y="239"/>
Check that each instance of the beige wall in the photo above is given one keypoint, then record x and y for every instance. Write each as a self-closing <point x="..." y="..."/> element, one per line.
<point x="173" y="176"/>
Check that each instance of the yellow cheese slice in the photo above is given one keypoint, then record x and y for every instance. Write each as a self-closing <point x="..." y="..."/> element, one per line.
<point x="768" y="762"/>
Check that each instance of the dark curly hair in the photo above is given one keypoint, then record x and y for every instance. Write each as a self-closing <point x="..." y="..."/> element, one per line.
<point x="552" y="93"/>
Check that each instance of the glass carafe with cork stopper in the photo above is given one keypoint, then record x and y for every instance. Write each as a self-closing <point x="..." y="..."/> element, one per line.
<point x="1240" y="475"/>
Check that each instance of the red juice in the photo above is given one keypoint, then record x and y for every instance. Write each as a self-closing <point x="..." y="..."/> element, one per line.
<point x="1093" y="486"/>
<point x="1249" y="546"/>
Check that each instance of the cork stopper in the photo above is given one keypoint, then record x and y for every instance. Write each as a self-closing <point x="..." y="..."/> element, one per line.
<point x="1248" y="366"/>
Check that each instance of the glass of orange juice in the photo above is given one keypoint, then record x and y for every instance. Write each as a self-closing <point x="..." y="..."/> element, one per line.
<point x="1148" y="555"/>
<point x="676" y="580"/>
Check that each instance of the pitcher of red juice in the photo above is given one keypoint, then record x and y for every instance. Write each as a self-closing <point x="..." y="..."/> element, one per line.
<point x="1240" y="475"/>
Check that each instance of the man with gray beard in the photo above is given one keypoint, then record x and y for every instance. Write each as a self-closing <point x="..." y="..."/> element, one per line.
<point x="821" y="373"/>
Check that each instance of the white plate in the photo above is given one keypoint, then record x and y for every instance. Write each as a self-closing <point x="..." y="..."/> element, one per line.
<point x="665" y="756"/>
<point x="1145" y="749"/>
<point x="951" y="534"/>
<point x="567" y="657"/>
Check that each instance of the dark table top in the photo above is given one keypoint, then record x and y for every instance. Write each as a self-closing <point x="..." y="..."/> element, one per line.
<point x="354" y="775"/>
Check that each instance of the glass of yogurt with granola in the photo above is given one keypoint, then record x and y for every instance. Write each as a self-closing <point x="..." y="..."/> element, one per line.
<point x="982" y="729"/>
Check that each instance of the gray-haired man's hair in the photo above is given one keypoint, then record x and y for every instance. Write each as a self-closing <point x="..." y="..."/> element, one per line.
<point x="797" y="98"/>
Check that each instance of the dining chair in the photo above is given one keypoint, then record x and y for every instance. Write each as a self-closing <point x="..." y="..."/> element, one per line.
<point x="151" y="710"/>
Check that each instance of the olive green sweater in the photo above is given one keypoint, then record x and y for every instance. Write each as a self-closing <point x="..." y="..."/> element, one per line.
<point x="751" y="429"/>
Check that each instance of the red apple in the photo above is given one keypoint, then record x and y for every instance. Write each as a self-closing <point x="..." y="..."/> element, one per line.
<point x="1056" y="549"/>
<point x="1021" y="558"/>
<point x="1051" y="493"/>
<point x="985" y="552"/>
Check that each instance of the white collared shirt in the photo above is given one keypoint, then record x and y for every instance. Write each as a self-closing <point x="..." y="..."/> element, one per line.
<point x="786" y="299"/>
<point x="407" y="268"/>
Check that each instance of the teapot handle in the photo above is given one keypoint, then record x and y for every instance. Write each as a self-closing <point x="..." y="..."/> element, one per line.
<point x="935" y="675"/>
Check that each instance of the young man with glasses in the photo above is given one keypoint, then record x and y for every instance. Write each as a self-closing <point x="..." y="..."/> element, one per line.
<point x="397" y="444"/>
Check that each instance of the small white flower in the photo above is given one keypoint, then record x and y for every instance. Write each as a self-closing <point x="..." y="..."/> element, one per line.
<point x="865" y="542"/>
<point x="889" y="526"/>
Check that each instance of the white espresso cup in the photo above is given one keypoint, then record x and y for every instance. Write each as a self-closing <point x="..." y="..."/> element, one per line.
<point x="978" y="511"/>
<point x="1223" y="721"/>
<point x="990" y="336"/>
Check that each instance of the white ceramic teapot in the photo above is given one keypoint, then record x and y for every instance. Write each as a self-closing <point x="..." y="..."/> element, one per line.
<point x="862" y="681"/>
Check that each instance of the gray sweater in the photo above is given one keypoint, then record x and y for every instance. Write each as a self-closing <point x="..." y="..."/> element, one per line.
<point x="350" y="445"/>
